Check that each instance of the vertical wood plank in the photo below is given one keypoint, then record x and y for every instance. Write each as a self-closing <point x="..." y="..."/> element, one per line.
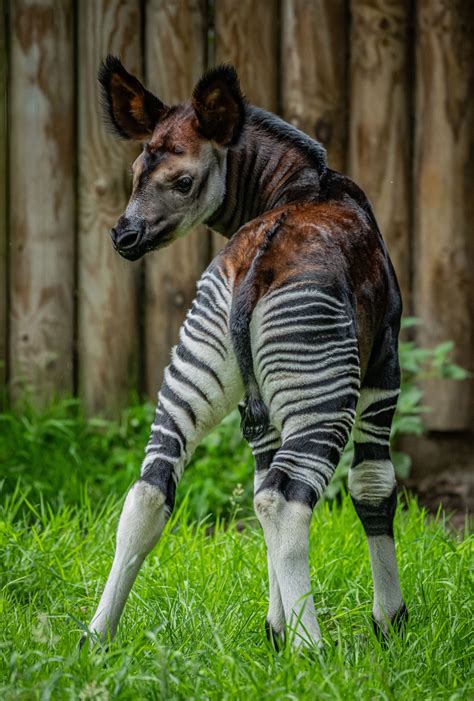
<point x="314" y="72"/>
<point x="176" y="50"/>
<point x="444" y="213"/>
<point x="380" y="122"/>
<point x="3" y="200"/>
<point x="246" y="35"/>
<point x="108" y="326"/>
<point x="41" y="196"/>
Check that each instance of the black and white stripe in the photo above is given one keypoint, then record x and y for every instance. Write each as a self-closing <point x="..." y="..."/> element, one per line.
<point x="307" y="368"/>
<point x="201" y="384"/>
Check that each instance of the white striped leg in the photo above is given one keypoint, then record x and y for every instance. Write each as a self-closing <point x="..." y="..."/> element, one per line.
<point x="372" y="487"/>
<point x="201" y="385"/>
<point x="299" y="473"/>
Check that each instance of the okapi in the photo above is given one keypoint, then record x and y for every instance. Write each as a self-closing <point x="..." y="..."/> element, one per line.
<point x="298" y="316"/>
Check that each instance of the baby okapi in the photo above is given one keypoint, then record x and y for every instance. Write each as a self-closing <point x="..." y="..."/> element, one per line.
<point x="298" y="316"/>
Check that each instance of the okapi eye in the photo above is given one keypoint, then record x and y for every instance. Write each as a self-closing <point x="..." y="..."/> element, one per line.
<point x="183" y="185"/>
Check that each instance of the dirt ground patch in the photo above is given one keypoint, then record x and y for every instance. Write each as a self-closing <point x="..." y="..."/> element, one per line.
<point x="453" y="490"/>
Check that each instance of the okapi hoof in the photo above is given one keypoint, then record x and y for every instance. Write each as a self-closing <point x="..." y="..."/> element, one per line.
<point x="276" y="639"/>
<point x="397" y="624"/>
<point x="254" y="419"/>
<point x="93" y="644"/>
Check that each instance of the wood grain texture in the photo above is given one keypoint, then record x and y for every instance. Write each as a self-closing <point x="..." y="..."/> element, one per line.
<point x="176" y="49"/>
<point x="41" y="172"/>
<point x="380" y="151"/>
<point x="108" y="285"/>
<point x="3" y="201"/>
<point x="246" y="34"/>
<point x="444" y="214"/>
<point x="314" y="72"/>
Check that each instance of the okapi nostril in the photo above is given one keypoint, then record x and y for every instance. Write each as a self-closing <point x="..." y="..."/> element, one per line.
<point x="127" y="239"/>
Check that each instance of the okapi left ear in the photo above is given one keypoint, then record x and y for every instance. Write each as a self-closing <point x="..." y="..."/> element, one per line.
<point x="129" y="109"/>
<point x="219" y="105"/>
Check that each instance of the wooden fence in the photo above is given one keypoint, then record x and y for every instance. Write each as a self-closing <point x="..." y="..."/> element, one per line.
<point x="386" y="85"/>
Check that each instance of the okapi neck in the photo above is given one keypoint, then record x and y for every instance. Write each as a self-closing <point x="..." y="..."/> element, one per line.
<point x="272" y="164"/>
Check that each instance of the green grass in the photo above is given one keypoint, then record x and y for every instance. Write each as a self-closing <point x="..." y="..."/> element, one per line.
<point x="57" y="452"/>
<point x="194" y="624"/>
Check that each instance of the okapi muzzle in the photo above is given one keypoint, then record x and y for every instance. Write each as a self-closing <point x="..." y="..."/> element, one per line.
<point x="179" y="178"/>
<point x="127" y="238"/>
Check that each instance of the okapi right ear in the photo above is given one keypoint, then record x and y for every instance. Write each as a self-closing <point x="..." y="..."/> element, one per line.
<point x="129" y="109"/>
<point x="219" y="105"/>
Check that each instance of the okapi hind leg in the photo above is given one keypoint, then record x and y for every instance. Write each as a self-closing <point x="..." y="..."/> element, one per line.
<point x="147" y="507"/>
<point x="264" y="450"/>
<point x="285" y="524"/>
<point x="200" y="387"/>
<point x="372" y="486"/>
<point x="284" y="502"/>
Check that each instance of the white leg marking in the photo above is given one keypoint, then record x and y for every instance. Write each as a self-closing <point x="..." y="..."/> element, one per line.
<point x="276" y="612"/>
<point x="371" y="480"/>
<point x="387" y="594"/>
<point x="141" y="522"/>
<point x="286" y="529"/>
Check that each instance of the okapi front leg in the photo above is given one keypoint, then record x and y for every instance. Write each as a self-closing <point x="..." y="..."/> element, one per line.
<point x="201" y="385"/>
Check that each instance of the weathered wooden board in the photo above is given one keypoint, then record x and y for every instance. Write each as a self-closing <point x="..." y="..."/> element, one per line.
<point x="380" y="152"/>
<point x="41" y="180"/>
<point x="108" y="325"/>
<point x="176" y="50"/>
<point x="444" y="212"/>
<point x="314" y="71"/>
<point x="3" y="201"/>
<point x="247" y="35"/>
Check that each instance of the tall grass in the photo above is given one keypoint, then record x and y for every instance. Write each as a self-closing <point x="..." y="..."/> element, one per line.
<point x="194" y="625"/>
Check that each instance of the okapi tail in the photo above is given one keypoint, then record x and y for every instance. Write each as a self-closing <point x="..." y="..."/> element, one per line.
<point x="254" y="414"/>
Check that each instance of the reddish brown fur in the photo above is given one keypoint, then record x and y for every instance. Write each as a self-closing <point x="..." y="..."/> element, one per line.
<point x="333" y="242"/>
<point x="177" y="133"/>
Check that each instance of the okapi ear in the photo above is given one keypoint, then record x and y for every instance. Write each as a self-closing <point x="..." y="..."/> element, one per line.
<point x="129" y="109"/>
<point x="219" y="105"/>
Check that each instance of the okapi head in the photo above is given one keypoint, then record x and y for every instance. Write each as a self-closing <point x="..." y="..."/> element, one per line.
<point x="179" y="177"/>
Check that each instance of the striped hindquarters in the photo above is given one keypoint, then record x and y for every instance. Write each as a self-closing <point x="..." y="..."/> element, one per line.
<point x="307" y="366"/>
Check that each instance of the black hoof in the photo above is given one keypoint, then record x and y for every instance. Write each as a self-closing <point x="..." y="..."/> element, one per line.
<point x="397" y="622"/>
<point x="97" y="647"/>
<point x="254" y="419"/>
<point x="277" y="640"/>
